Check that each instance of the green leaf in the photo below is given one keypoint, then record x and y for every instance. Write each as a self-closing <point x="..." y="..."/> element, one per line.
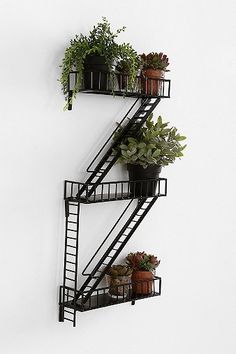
<point x="141" y="145"/>
<point x="156" y="153"/>
<point x="180" y="138"/>
<point x="132" y="140"/>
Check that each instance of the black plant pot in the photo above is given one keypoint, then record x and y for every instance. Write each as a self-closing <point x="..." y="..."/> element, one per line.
<point x="143" y="180"/>
<point x="96" y="73"/>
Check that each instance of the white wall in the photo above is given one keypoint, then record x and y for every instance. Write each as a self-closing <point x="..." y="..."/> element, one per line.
<point x="192" y="230"/>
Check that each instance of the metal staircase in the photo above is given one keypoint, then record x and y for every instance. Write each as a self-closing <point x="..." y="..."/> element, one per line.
<point x="94" y="278"/>
<point x="132" y="127"/>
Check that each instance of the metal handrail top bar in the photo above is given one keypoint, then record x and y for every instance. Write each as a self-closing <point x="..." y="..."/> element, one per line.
<point x="115" y="182"/>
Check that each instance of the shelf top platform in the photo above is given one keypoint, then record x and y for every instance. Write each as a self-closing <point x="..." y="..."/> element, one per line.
<point x="104" y="83"/>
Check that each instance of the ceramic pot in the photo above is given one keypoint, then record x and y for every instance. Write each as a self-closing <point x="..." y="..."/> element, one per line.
<point x="144" y="184"/>
<point x="149" y="82"/>
<point x="142" y="282"/>
<point x="119" y="286"/>
<point x="96" y="73"/>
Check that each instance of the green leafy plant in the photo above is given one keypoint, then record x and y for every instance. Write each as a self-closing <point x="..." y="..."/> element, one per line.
<point x="128" y="63"/>
<point x="155" y="61"/>
<point x="156" y="144"/>
<point x="100" y="41"/>
<point x="142" y="261"/>
<point x="119" y="270"/>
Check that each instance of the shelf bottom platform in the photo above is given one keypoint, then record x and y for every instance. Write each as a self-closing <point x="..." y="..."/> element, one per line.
<point x="105" y="300"/>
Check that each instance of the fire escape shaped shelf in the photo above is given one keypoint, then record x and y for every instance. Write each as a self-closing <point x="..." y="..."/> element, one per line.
<point x="89" y="296"/>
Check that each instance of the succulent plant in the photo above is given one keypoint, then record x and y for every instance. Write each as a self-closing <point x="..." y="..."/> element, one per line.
<point x="142" y="261"/>
<point x="156" y="144"/>
<point x="155" y="61"/>
<point x="119" y="270"/>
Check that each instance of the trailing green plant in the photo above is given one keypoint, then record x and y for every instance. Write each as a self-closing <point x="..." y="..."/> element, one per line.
<point x="155" y="61"/>
<point x="128" y="63"/>
<point x="156" y="144"/>
<point x="142" y="261"/>
<point x="100" y="41"/>
<point x="119" y="270"/>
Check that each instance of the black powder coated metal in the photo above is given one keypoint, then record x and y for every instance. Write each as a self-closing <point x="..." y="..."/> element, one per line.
<point x="113" y="251"/>
<point x="109" y="158"/>
<point x="89" y="296"/>
<point x="100" y="297"/>
<point x="112" y="88"/>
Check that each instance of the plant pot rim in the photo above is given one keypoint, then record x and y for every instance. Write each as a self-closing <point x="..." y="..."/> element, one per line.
<point x="142" y="271"/>
<point x="154" y="73"/>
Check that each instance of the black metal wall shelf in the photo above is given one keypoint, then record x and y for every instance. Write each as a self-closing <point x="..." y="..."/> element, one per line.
<point x="142" y="193"/>
<point x="116" y="190"/>
<point x="101" y="297"/>
<point x="143" y="88"/>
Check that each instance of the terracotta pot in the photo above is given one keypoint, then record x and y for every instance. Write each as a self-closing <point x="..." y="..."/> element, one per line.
<point x="142" y="282"/>
<point x="150" y="84"/>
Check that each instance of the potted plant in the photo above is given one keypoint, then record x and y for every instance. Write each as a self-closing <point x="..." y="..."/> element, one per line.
<point x="127" y="67"/>
<point x="94" y="58"/>
<point x="143" y="266"/>
<point x="156" y="145"/>
<point x="154" y="66"/>
<point x="118" y="279"/>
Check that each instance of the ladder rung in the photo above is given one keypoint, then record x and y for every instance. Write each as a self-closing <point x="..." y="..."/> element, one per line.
<point x="71" y="230"/>
<point x="72" y="313"/>
<point x="71" y="246"/>
<point x="71" y="238"/>
<point x="73" y="214"/>
<point x="68" y="319"/>
<point x="72" y="222"/>
<point x="70" y="262"/>
<point x="69" y="270"/>
<point x="69" y="279"/>
<point x="71" y="254"/>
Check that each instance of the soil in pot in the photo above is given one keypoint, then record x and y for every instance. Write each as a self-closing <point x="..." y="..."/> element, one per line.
<point x="150" y="83"/>
<point x="142" y="282"/>
<point x="143" y="180"/>
<point x="96" y="73"/>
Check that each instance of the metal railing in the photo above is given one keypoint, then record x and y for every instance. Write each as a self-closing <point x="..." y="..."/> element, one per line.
<point x="116" y="190"/>
<point x="102" y="297"/>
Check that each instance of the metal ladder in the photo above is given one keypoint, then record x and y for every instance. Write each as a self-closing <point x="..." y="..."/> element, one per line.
<point x="70" y="276"/>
